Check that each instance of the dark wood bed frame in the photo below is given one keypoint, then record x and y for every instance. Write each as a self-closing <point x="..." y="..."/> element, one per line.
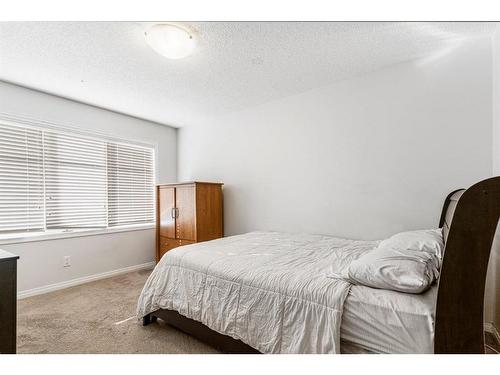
<point x="459" y="326"/>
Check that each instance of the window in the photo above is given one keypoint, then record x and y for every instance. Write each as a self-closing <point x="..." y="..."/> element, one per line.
<point x="130" y="178"/>
<point x="51" y="180"/>
<point x="75" y="181"/>
<point x="21" y="180"/>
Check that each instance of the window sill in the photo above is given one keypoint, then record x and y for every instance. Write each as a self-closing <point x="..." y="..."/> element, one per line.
<point x="64" y="233"/>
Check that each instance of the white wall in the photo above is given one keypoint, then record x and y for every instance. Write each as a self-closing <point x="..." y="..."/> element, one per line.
<point x="41" y="262"/>
<point x="363" y="158"/>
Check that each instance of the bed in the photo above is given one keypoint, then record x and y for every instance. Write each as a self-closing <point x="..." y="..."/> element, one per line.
<point x="267" y="292"/>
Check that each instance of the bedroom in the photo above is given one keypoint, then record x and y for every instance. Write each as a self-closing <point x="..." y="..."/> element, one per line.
<point x="174" y="187"/>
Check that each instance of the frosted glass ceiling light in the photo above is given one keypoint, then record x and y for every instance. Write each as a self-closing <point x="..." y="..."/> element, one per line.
<point x="170" y="41"/>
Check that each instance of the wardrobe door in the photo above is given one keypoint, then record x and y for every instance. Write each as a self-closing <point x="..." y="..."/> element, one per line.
<point x="208" y="212"/>
<point x="166" y="212"/>
<point x="185" y="228"/>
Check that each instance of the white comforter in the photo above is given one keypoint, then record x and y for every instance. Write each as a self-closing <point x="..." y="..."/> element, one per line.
<point x="269" y="290"/>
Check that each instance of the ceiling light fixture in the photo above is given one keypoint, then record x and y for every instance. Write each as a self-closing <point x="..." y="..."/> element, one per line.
<point x="170" y="41"/>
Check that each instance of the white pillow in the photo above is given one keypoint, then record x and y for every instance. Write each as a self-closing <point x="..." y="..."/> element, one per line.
<point x="401" y="270"/>
<point x="430" y="241"/>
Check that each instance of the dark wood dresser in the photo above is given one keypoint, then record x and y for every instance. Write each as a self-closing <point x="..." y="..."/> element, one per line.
<point x="8" y="302"/>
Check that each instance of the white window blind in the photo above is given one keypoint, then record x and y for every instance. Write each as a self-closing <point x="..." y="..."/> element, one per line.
<point x="75" y="181"/>
<point x="58" y="180"/>
<point x="130" y="185"/>
<point x="21" y="179"/>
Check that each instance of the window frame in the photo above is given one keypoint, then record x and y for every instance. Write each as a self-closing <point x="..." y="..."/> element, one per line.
<point x="52" y="234"/>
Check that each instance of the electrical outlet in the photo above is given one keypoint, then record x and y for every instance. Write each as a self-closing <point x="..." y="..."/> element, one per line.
<point x="67" y="261"/>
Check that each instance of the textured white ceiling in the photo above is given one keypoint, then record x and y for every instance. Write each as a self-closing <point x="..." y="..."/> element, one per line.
<point x="237" y="64"/>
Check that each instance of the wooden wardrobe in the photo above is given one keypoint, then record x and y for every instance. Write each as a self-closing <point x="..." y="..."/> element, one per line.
<point x="187" y="212"/>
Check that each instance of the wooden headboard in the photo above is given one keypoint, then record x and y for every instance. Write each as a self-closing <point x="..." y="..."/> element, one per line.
<point x="450" y="204"/>
<point x="469" y="220"/>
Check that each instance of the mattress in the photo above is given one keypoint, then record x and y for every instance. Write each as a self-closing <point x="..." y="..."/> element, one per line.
<point x="385" y="321"/>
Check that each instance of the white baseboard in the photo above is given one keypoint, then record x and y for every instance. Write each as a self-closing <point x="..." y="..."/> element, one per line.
<point x="82" y="280"/>
<point x="490" y="327"/>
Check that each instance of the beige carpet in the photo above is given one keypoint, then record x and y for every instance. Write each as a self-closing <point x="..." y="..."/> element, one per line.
<point x="94" y="318"/>
<point x="91" y="318"/>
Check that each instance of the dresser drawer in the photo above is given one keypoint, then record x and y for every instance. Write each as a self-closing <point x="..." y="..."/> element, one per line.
<point x="8" y="302"/>
<point x="167" y="244"/>
<point x="185" y="242"/>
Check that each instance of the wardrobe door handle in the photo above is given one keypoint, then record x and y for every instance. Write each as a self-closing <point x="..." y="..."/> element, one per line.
<point x="176" y="212"/>
<point x="172" y="212"/>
